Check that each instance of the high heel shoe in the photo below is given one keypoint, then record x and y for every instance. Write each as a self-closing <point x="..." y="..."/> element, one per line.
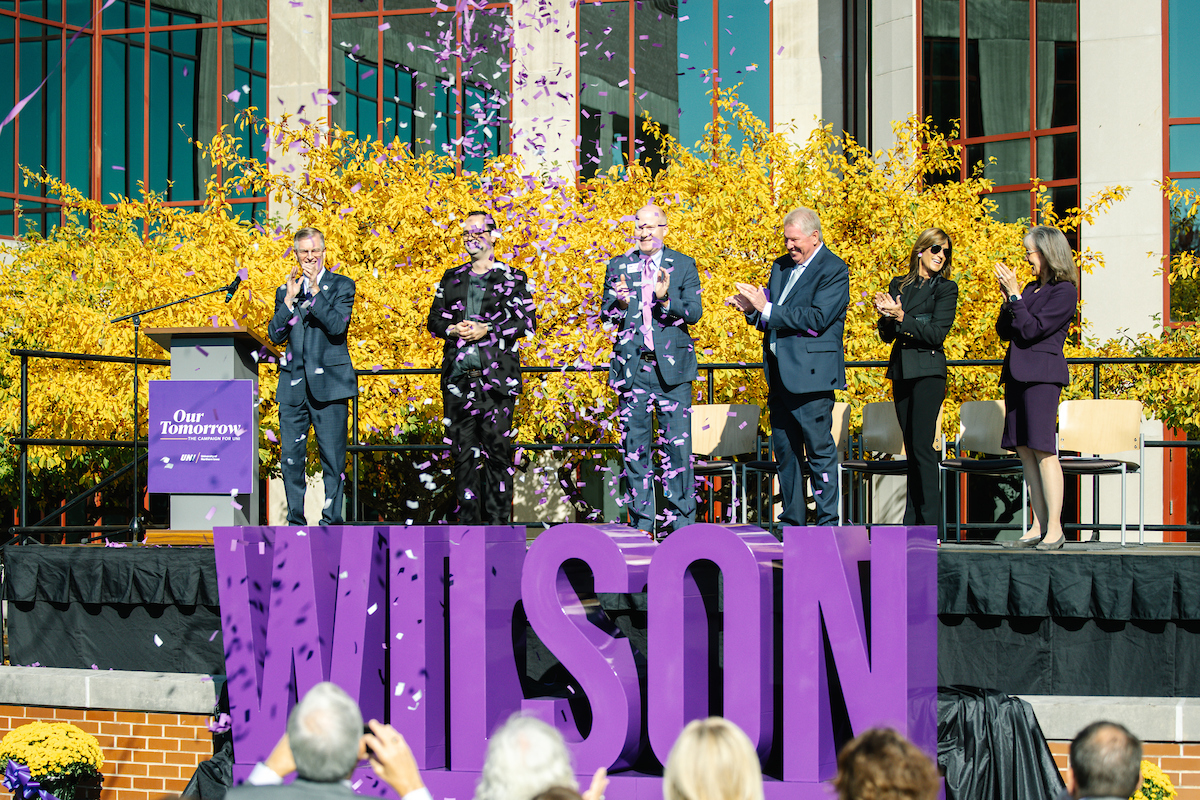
<point x="1032" y="541"/>
<point x="1057" y="544"/>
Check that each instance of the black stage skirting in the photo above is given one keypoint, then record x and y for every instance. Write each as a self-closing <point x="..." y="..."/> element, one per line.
<point x="143" y="608"/>
<point x="1093" y="619"/>
<point x="1090" y="620"/>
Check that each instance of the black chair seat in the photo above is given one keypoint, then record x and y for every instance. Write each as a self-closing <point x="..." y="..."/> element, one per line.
<point x="713" y="467"/>
<point x="761" y="466"/>
<point x="1082" y="465"/>
<point x="982" y="466"/>
<point x="876" y="467"/>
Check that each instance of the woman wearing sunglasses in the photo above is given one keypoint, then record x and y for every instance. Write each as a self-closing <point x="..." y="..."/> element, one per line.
<point x="916" y="313"/>
<point x="1034" y="321"/>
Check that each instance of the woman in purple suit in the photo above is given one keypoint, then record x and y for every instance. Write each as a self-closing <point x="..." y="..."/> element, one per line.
<point x="1034" y="321"/>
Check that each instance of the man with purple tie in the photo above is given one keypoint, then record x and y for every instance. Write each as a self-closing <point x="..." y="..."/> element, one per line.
<point x="651" y="296"/>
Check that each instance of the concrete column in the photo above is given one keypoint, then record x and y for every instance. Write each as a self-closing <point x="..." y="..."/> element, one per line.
<point x="298" y="69"/>
<point x="1120" y="142"/>
<point x="545" y="104"/>
<point x="796" y="72"/>
<point x="894" y="78"/>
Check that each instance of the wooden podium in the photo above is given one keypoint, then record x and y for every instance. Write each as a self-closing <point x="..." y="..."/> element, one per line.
<point x="215" y="354"/>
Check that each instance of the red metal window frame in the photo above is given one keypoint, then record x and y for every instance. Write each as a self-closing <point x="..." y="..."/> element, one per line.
<point x="716" y="60"/>
<point x="97" y="33"/>
<point x="1032" y="134"/>
<point x="380" y="15"/>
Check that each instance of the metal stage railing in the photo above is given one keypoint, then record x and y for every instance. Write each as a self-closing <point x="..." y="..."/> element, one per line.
<point x="357" y="447"/>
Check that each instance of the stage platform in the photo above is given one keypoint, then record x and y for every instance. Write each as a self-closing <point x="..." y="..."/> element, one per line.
<point x="1092" y="619"/>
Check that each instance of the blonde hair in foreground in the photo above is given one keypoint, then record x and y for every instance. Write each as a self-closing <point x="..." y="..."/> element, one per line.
<point x="712" y="760"/>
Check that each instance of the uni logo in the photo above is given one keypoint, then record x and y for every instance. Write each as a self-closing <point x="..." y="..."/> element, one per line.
<point x="189" y="457"/>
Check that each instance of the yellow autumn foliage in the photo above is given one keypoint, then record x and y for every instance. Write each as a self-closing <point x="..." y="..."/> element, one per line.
<point x="391" y="222"/>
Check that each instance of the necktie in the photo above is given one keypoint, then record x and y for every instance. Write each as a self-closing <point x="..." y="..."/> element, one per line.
<point x="648" y="275"/>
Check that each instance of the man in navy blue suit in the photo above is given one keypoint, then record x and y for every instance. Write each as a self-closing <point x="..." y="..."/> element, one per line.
<point x="802" y="316"/>
<point x="316" y="378"/>
<point x="652" y="295"/>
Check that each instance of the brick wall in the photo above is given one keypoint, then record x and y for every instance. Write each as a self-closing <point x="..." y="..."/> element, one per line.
<point x="146" y="756"/>
<point x="1180" y="762"/>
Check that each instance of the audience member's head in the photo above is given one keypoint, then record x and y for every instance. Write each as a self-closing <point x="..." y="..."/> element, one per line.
<point x="883" y="765"/>
<point x="324" y="731"/>
<point x="525" y="757"/>
<point x="559" y="793"/>
<point x="1106" y="761"/>
<point x="712" y="759"/>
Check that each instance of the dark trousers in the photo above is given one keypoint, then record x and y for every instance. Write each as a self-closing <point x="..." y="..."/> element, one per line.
<point x="802" y="425"/>
<point x="328" y="421"/>
<point x="918" y="402"/>
<point x="646" y="398"/>
<point x="480" y="434"/>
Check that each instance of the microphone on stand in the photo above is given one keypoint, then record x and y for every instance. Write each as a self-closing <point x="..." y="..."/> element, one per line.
<point x="232" y="288"/>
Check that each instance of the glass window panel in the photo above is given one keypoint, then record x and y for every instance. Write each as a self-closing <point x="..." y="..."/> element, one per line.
<point x="8" y="5"/>
<point x="1185" y="148"/>
<point x="78" y="12"/>
<point x="399" y="100"/>
<point x="604" y="86"/>
<point x="121" y="116"/>
<point x="8" y="222"/>
<point x="693" y="65"/>
<point x="39" y="142"/>
<point x="655" y="79"/>
<point x="173" y="110"/>
<point x="744" y="56"/>
<point x="485" y="100"/>
<point x="1011" y="165"/>
<point x="182" y="12"/>
<point x="1058" y="156"/>
<point x="1064" y="199"/>
<point x="159" y="17"/>
<point x="997" y="67"/>
<point x="399" y="5"/>
<point x="1183" y="55"/>
<point x="354" y="6"/>
<point x="233" y="10"/>
<point x="355" y="46"/>
<point x="46" y="9"/>
<point x="1185" y="238"/>
<point x="408" y="94"/>
<point x="77" y="127"/>
<point x="940" y="62"/>
<point x="250" y="212"/>
<point x="1057" y="73"/>
<point x="8" y="99"/>
<point x="1011" y="206"/>
<point x="247" y="73"/>
<point x="124" y="14"/>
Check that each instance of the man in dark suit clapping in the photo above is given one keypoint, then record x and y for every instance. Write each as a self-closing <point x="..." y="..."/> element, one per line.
<point x="802" y="316"/>
<point x="482" y="309"/>
<point x="316" y="378"/>
<point x="652" y="295"/>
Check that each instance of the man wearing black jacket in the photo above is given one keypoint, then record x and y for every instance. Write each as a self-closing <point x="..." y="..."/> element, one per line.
<point x="482" y="309"/>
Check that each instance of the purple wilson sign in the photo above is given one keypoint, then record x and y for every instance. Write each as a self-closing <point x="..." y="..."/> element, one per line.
<point x="380" y="610"/>
<point x="201" y="437"/>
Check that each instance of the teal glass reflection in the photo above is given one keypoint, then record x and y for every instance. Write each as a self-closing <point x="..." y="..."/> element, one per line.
<point x="121" y="136"/>
<point x="8" y="99"/>
<point x="1012" y="206"/>
<point x="693" y="64"/>
<point x="77" y="125"/>
<point x="604" y="87"/>
<point x="8" y="224"/>
<point x="997" y="67"/>
<point x="744" y="56"/>
<point x="1183" y="55"/>
<point x="249" y="46"/>
<point x="1185" y="148"/>
<point x="39" y="144"/>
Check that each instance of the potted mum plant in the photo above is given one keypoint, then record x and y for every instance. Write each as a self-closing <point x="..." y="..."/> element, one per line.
<point x="47" y="760"/>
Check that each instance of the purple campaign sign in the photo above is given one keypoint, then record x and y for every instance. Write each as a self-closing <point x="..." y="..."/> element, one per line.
<point x="423" y="626"/>
<point x="201" y="437"/>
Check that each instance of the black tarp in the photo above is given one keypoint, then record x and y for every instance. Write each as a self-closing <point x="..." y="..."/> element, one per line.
<point x="991" y="747"/>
